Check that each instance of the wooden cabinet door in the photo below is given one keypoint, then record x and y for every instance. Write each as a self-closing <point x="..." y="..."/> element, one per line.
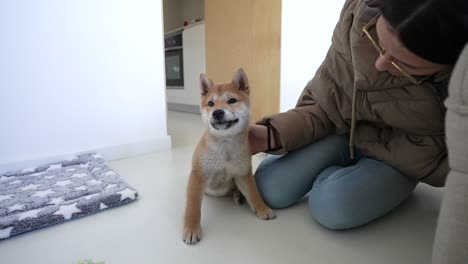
<point x="247" y="34"/>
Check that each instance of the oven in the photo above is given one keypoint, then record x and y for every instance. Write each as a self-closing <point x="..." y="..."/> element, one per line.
<point x="174" y="58"/>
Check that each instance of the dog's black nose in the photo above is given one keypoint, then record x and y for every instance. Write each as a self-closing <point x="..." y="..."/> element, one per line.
<point x="218" y="114"/>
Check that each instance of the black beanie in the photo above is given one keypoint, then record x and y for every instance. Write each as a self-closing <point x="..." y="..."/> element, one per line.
<point x="435" y="30"/>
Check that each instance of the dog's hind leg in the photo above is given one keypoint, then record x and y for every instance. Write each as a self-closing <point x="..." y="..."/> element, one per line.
<point x="238" y="197"/>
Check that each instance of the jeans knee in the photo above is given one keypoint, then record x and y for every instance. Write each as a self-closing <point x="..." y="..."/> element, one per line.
<point x="334" y="214"/>
<point x="271" y="194"/>
<point x="274" y="201"/>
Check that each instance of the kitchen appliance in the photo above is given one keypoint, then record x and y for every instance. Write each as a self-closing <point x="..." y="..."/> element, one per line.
<point x="174" y="56"/>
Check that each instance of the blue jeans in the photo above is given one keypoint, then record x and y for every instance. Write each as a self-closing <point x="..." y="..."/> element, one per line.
<point x="342" y="194"/>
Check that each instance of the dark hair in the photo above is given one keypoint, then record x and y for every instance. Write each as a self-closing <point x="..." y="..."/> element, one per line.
<point x="436" y="30"/>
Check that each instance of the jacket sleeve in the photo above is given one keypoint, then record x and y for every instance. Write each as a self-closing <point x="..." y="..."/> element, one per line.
<point x="302" y="125"/>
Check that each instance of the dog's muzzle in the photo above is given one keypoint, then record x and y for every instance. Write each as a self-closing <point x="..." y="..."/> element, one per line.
<point x="218" y="120"/>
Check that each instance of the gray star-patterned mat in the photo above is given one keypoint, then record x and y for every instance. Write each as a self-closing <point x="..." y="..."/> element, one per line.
<point x="54" y="193"/>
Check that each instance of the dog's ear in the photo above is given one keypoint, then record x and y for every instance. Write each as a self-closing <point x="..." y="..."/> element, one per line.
<point x="240" y="81"/>
<point x="205" y="84"/>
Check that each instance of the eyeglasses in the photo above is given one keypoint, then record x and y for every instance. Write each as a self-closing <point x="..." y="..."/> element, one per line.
<point x="383" y="52"/>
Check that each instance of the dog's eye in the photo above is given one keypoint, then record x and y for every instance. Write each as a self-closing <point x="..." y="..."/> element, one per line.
<point x="210" y="103"/>
<point x="232" y="101"/>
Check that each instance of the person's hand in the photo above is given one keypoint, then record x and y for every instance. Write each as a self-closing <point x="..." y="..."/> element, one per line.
<point x="258" y="139"/>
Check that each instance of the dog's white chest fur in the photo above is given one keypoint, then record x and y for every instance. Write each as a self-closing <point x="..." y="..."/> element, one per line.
<point x="222" y="161"/>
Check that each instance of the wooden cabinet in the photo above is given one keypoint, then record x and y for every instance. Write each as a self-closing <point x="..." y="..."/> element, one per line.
<point x="247" y="34"/>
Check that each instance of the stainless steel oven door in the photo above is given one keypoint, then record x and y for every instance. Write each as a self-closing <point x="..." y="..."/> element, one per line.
<point x="174" y="68"/>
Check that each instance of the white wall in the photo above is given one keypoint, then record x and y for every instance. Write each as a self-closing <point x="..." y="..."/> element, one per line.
<point x="80" y="75"/>
<point x="306" y="30"/>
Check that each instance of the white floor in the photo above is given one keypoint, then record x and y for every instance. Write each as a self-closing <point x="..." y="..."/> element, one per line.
<point x="149" y="230"/>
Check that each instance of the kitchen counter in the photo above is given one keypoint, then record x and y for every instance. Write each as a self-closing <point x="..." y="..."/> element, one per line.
<point x="184" y="27"/>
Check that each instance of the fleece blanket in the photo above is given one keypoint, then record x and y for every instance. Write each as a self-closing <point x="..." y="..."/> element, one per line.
<point x="50" y="194"/>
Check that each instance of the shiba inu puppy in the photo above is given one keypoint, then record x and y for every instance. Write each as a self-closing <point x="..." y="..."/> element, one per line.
<point x="221" y="164"/>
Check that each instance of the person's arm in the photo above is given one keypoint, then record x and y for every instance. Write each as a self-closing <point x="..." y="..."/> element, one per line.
<point x="259" y="135"/>
<point x="293" y="129"/>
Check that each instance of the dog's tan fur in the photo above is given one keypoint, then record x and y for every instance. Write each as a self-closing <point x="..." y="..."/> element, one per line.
<point x="221" y="164"/>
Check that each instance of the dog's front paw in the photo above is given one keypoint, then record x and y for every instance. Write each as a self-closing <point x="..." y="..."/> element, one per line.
<point x="265" y="213"/>
<point x="192" y="234"/>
